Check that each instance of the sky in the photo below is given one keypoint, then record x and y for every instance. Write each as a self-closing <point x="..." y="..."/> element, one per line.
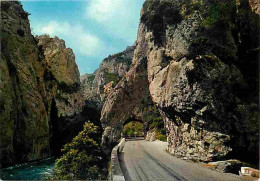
<point x="94" y="29"/>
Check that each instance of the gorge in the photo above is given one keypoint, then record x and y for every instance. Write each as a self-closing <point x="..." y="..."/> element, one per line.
<point x="191" y="78"/>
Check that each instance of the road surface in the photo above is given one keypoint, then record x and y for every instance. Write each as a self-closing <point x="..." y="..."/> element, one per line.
<point x="144" y="160"/>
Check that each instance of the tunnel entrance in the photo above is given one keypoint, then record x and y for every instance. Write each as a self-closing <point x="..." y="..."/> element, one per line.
<point x="133" y="129"/>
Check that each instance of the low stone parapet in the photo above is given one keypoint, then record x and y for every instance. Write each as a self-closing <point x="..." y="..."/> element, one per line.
<point x="116" y="173"/>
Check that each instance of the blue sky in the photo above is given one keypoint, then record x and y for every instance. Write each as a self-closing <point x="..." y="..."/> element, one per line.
<point x="94" y="29"/>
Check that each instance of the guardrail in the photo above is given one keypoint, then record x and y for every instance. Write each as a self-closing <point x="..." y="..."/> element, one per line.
<point x="132" y="136"/>
<point x="129" y="138"/>
<point x="116" y="173"/>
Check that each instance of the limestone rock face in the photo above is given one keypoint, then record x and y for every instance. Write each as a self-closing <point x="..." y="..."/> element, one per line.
<point x="128" y="99"/>
<point x="62" y="75"/>
<point x="59" y="59"/>
<point x="197" y="87"/>
<point x="202" y="74"/>
<point x="150" y="136"/>
<point x="39" y="84"/>
<point x="228" y="166"/>
<point x="111" y="70"/>
<point x="23" y="110"/>
<point x="255" y="5"/>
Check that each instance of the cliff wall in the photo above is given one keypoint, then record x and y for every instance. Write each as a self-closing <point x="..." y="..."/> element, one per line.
<point x="201" y="66"/>
<point x="39" y="84"/>
<point x="97" y="86"/>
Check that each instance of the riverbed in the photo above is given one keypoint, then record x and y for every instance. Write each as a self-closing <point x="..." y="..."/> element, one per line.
<point x="29" y="171"/>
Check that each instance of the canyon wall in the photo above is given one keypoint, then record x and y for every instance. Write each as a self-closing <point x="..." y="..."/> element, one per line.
<point x="97" y="86"/>
<point x="199" y="62"/>
<point x="39" y="84"/>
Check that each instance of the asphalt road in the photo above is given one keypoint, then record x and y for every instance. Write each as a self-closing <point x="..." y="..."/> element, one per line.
<point x="144" y="160"/>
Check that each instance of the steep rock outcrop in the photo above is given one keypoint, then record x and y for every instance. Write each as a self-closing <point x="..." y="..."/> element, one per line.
<point x="127" y="101"/>
<point x="61" y="75"/>
<point x="202" y="59"/>
<point x="39" y="84"/>
<point x="197" y="79"/>
<point x="24" y="114"/>
<point x="255" y="5"/>
<point x="98" y="85"/>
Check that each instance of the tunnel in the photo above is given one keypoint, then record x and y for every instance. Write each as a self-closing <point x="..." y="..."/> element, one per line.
<point x="134" y="128"/>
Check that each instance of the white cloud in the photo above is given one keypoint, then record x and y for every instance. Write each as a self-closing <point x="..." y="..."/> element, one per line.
<point x="75" y="36"/>
<point x="103" y="10"/>
<point x="118" y="17"/>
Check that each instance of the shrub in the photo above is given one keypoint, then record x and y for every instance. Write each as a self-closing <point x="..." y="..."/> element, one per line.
<point x="132" y="128"/>
<point x="69" y="88"/>
<point x="160" y="136"/>
<point x="82" y="158"/>
<point x="91" y="79"/>
<point x="158" y="15"/>
<point x="152" y="116"/>
<point x="111" y="77"/>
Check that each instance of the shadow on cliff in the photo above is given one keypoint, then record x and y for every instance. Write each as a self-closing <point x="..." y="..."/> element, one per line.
<point x="64" y="129"/>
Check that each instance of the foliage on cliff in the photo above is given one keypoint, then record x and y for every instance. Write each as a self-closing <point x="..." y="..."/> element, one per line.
<point x="155" y="121"/>
<point x="122" y="57"/>
<point x="112" y="68"/>
<point x="133" y="128"/>
<point x="83" y="158"/>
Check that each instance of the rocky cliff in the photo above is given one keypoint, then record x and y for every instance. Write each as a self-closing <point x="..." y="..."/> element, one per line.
<point x="39" y="85"/>
<point x="61" y="75"/>
<point x="97" y="86"/>
<point x="198" y="62"/>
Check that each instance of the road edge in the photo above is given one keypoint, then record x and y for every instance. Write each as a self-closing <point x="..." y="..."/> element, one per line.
<point x="116" y="173"/>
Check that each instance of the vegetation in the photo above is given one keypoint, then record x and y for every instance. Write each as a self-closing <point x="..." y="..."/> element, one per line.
<point x="158" y="15"/>
<point x="219" y="12"/>
<point x="160" y="135"/>
<point x="215" y="31"/>
<point x="133" y="128"/>
<point x="121" y="57"/>
<point x="155" y="121"/>
<point x="69" y="88"/>
<point x="83" y="157"/>
<point x="188" y="7"/>
<point x="91" y="79"/>
<point x="111" y="77"/>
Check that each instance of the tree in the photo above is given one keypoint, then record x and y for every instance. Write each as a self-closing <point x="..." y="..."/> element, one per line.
<point x="82" y="158"/>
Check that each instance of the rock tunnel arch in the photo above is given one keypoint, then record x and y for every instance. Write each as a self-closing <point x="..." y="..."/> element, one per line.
<point x="113" y="131"/>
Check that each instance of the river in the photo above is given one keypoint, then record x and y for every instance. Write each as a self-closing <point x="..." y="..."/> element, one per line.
<point x="29" y="171"/>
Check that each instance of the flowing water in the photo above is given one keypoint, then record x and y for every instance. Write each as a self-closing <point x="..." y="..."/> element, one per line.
<point x="29" y="171"/>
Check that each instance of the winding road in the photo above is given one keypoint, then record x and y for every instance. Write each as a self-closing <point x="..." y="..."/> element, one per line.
<point x="144" y="160"/>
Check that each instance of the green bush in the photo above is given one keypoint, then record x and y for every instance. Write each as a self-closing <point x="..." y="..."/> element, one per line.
<point x="160" y="136"/>
<point x="155" y="121"/>
<point x="91" y="79"/>
<point x="82" y="158"/>
<point x="158" y="15"/>
<point x="132" y="128"/>
<point x="68" y="88"/>
<point x="220" y="12"/>
<point x="111" y="77"/>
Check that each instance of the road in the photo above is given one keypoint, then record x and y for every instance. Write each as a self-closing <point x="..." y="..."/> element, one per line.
<point x="144" y="160"/>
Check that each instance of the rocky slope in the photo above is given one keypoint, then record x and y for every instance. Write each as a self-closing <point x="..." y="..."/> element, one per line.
<point x="39" y="86"/>
<point x="61" y="76"/>
<point x="97" y="86"/>
<point x="198" y="61"/>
